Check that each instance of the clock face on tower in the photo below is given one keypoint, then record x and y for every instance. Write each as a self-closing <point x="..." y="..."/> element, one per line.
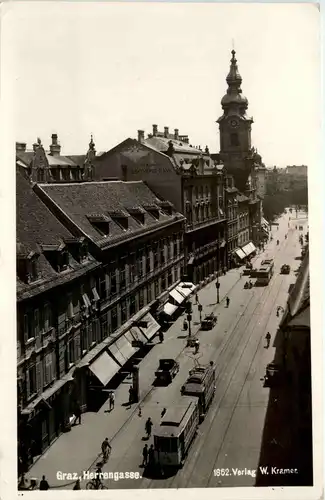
<point x="234" y="123"/>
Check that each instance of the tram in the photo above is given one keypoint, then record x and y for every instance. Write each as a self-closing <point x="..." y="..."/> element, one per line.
<point x="201" y="384"/>
<point x="176" y="432"/>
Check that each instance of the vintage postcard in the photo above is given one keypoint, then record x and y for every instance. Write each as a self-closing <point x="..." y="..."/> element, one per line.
<point x="166" y="248"/>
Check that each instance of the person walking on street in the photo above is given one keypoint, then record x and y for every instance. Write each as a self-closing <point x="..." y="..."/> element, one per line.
<point x="148" y="427"/>
<point x="151" y="456"/>
<point x="161" y="336"/>
<point x="44" y="485"/>
<point x="106" y="449"/>
<point x="145" y="456"/>
<point x="224" y="271"/>
<point x="196" y="346"/>
<point x="197" y="298"/>
<point x="78" y="413"/>
<point x="163" y="413"/>
<point x="130" y="395"/>
<point x="185" y="325"/>
<point x="111" y="401"/>
<point x="227" y="301"/>
<point x="268" y="339"/>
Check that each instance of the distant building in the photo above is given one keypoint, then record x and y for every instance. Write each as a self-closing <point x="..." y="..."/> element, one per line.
<point x="39" y="165"/>
<point x="297" y="170"/>
<point x="189" y="179"/>
<point x="292" y="178"/>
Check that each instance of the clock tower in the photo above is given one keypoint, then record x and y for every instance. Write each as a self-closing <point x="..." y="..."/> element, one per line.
<point x="235" y="129"/>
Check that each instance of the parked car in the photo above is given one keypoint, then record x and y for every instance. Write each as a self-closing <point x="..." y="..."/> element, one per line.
<point x="285" y="269"/>
<point x="167" y="370"/>
<point x="208" y="322"/>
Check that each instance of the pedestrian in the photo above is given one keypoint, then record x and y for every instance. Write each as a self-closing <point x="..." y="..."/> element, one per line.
<point x="163" y="413"/>
<point x="148" y="427"/>
<point x="106" y="448"/>
<point x="111" y="400"/>
<point x="151" y="456"/>
<point x="78" y="413"/>
<point x="268" y="339"/>
<point x="140" y="412"/>
<point x="161" y="336"/>
<point x="145" y="455"/>
<point x="196" y="346"/>
<point x="130" y="395"/>
<point x="224" y="271"/>
<point x="197" y="298"/>
<point x="227" y="301"/>
<point x="77" y="485"/>
<point x="185" y="325"/>
<point x="44" y="485"/>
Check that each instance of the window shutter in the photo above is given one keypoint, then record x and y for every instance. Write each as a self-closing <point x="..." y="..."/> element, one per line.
<point x="77" y="347"/>
<point x="27" y="384"/>
<point x="62" y="359"/>
<point x="39" y="377"/>
<point x="26" y="327"/>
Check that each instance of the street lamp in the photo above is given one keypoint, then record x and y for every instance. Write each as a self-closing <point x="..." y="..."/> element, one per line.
<point x="189" y="318"/>
<point x="217" y="287"/>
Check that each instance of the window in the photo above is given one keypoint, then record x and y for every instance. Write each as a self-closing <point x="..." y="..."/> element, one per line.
<point x="175" y="250"/>
<point x="33" y="269"/>
<point x="113" y="282"/>
<point x="140" y="264"/>
<point x="170" y="278"/>
<point x="47" y="317"/>
<point x="102" y="287"/>
<point x="103" y="327"/>
<point x="148" y="260"/>
<point x="156" y="288"/>
<point x="155" y="257"/>
<point x="149" y="294"/>
<point x="131" y="273"/>
<point x="124" y="315"/>
<point x="36" y="323"/>
<point x="114" y="319"/>
<point x="168" y="249"/>
<point x="162" y="252"/>
<point x="71" y="352"/>
<point x="64" y="261"/>
<point x="141" y="299"/>
<point x="48" y="369"/>
<point x="132" y="305"/>
<point x="234" y="140"/>
<point x="31" y="381"/>
<point x="69" y="306"/>
<point x="122" y="275"/>
<point x="27" y="330"/>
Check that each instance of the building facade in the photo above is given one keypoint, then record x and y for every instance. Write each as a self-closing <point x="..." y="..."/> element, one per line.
<point x="189" y="179"/>
<point x="111" y="253"/>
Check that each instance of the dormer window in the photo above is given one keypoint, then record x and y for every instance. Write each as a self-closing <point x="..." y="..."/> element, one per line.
<point x="138" y="214"/>
<point x="83" y="252"/>
<point x="63" y="260"/>
<point x="120" y="218"/>
<point x="167" y="207"/>
<point x="153" y="210"/>
<point x="28" y="268"/>
<point x="100" y="222"/>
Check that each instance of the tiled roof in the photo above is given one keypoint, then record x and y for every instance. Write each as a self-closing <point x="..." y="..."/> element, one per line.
<point x="79" y="201"/>
<point x="162" y="144"/>
<point x="61" y="161"/>
<point x="36" y="226"/>
<point x="77" y="159"/>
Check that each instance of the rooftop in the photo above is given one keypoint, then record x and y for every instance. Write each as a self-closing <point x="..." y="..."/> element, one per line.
<point x="81" y="202"/>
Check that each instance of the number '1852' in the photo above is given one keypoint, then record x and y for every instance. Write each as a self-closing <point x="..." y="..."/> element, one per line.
<point x="221" y="472"/>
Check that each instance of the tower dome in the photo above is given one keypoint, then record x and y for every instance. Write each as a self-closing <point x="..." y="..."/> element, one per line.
<point x="234" y="92"/>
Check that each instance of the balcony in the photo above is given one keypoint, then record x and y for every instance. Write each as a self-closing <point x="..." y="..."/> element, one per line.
<point x="194" y="226"/>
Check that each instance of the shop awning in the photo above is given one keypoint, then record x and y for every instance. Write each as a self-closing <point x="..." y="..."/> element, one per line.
<point x="169" y="309"/>
<point x="138" y="335"/>
<point x="125" y="347"/>
<point x="113" y="349"/>
<point x="240" y="253"/>
<point x="185" y="288"/>
<point x="249" y="248"/>
<point x="178" y="297"/>
<point x="265" y="223"/>
<point x="104" y="368"/>
<point x="152" y="326"/>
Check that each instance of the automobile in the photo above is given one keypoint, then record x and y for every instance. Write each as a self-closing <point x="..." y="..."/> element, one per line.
<point x="285" y="269"/>
<point x="208" y="322"/>
<point x="167" y="370"/>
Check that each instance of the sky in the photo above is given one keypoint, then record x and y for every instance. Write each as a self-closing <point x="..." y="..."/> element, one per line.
<point x="77" y="69"/>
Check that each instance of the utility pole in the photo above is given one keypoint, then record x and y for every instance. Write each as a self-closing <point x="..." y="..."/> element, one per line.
<point x="189" y="317"/>
<point x="217" y="287"/>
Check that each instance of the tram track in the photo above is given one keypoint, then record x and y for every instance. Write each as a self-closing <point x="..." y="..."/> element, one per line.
<point x="189" y="465"/>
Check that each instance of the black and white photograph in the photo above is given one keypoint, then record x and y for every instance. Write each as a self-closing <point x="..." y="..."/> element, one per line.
<point x="166" y="243"/>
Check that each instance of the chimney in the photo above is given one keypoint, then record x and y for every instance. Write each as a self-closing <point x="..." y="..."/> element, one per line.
<point x="176" y="134"/>
<point x="166" y="131"/>
<point x="55" y="147"/>
<point x="20" y="147"/>
<point x="140" y="135"/>
<point x="155" y="130"/>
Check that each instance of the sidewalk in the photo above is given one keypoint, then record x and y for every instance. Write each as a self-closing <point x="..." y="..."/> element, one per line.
<point x="79" y="449"/>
